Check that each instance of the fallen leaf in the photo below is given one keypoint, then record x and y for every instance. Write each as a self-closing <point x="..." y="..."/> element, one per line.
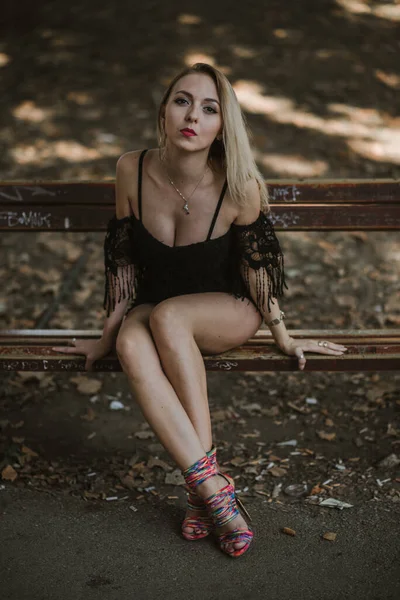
<point x="9" y="473"/>
<point x="237" y="461"/>
<point x="174" y="478"/>
<point x="28" y="451"/>
<point x="326" y="436"/>
<point x="277" y="471"/>
<point x="329" y="535"/>
<point x="87" y="385"/>
<point x="157" y="462"/>
<point x="289" y="531"/>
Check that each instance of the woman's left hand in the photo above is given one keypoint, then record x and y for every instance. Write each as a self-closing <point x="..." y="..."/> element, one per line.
<point x="298" y="347"/>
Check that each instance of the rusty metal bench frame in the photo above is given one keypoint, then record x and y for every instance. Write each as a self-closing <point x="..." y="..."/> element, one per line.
<point x="324" y="205"/>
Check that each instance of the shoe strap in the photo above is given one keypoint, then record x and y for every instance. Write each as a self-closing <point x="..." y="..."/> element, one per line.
<point x="222" y="505"/>
<point x="199" y="472"/>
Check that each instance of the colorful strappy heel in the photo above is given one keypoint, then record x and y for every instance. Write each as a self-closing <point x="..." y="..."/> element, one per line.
<point x="221" y="506"/>
<point x="203" y="524"/>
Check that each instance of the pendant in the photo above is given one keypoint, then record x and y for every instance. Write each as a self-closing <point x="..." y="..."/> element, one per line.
<point x="186" y="208"/>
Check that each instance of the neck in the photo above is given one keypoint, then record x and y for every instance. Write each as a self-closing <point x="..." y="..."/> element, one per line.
<point x="185" y="168"/>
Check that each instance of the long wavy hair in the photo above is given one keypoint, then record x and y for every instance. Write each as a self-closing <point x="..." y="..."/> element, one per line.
<point x="233" y="151"/>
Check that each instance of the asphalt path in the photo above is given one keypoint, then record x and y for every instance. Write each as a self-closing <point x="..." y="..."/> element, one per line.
<point x="63" y="548"/>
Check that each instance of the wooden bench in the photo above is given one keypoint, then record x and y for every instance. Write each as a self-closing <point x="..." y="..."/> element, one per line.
<point x="352" y="205"/>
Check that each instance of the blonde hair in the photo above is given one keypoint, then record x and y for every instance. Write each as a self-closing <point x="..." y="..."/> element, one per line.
<point x="233" y="151"/>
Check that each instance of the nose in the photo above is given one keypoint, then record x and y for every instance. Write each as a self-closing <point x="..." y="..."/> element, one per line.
<point x="192" y="114"/>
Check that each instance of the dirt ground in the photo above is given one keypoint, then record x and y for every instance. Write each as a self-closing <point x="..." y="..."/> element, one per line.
<point x="319" y="83"/>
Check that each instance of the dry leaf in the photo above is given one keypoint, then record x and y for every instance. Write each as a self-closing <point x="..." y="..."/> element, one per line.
<point x="9" y="473"/>
<point x="174" y="478"/>
<point x="326" y="436"/>
<point x="316" y="490"/>
<point x="329" y="535"/>
<point x="28" y="451"/>
<point x="300" y="409"/>
<point x="157" y="462"/>
<point x="237" y="461"/>
<point x="87" y="385"/>
<point x="289" y="531"/>
<point x="277" y="471"/>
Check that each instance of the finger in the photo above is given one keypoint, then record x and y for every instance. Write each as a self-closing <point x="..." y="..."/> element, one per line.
<point x="300" y="354"/>
<point x="88" y="365"/>
<point x="331" y="348"/>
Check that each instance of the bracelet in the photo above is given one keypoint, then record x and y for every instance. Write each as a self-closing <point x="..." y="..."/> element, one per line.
<point x="277" y="321"/>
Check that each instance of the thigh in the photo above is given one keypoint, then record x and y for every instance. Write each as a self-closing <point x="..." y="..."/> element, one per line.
<point x="218" y="321"/>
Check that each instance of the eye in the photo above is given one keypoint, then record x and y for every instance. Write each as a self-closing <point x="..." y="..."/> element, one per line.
<point x="213" y="111"/>
<point x="177" y="101"/>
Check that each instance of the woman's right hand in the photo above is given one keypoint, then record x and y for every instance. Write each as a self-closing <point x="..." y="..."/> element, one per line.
<point x="92" y="349"/>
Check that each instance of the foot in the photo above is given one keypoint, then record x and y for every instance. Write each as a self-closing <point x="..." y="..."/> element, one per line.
<point x="195" y="514"/>
<point x="209" y="487"/>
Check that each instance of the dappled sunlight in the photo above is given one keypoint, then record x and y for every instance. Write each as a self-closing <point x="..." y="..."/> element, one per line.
<point x="390" y="79"/>
<point x="31" y="112"/>
<point x="386" y="147"/>
<point x="44" y="152"/>
<point x="193" y="57"/>
<point x="384" y="10"/>
<point x="243" y="52"/>
<point x="5" y="59"/>
<point x="292" y="165"/>
<point x="366" y="131"/>
<point x="187" y="19"/>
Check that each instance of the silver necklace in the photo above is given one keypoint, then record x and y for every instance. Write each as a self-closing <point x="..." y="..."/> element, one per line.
<point x="185" y="206"/>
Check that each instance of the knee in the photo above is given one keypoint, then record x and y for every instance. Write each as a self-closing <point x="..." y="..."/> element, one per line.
<point x="124" y="345"/>
<point x="167" y="325"/>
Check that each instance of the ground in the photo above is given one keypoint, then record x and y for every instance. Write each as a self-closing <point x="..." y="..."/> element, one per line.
<point x="319" y="86"/>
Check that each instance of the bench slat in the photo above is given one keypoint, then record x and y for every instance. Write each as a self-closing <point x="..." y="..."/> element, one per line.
<point x="31" y="335"/>
<point x="359" y="357"/>
<point x="287" y="191"/>
<point x="299" y="217"/>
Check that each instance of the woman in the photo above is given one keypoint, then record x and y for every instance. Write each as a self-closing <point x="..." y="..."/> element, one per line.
<point x="192" y="293"/>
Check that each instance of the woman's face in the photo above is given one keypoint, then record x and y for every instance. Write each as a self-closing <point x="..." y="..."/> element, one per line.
<point x="193" y="105"/>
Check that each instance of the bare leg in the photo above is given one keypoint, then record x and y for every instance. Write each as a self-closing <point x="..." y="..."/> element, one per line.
<point x="179" y="325"/>
<point x="153" y="391"/>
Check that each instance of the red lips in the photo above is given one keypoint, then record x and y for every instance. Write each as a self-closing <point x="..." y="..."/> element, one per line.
<point x="188" y="131"/>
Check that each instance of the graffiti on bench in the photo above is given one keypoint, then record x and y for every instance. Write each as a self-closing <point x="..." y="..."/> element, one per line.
<point x="284" y="219"/>
<point x="30" y="219"/>
<point x="284" y="194"/>
<point x="17" y="196"/>
<point x="225" y="365"/>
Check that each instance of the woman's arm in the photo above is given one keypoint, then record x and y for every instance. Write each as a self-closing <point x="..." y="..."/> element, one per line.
<point x="261" y="264"/>
<point x="118" y="252"/>
<point x="262" y="268"/>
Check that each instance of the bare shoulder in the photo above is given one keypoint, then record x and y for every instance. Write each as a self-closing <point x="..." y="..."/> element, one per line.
<point x="250" y="211"/>
<point x="128" y="161"/>
<point x="126" y="183"/>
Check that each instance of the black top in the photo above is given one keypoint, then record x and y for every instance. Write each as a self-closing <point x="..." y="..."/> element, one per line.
<point x="144" y="269"/>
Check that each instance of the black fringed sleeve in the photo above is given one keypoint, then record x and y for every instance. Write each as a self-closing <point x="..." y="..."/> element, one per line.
<point x="119" y="263"/>
<point x="258" y="249"/>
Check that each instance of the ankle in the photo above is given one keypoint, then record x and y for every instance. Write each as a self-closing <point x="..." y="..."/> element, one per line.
<point x="210" y="486"/>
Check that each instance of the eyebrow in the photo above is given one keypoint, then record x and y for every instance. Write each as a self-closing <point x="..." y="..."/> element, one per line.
<point x="191" y="95"/>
